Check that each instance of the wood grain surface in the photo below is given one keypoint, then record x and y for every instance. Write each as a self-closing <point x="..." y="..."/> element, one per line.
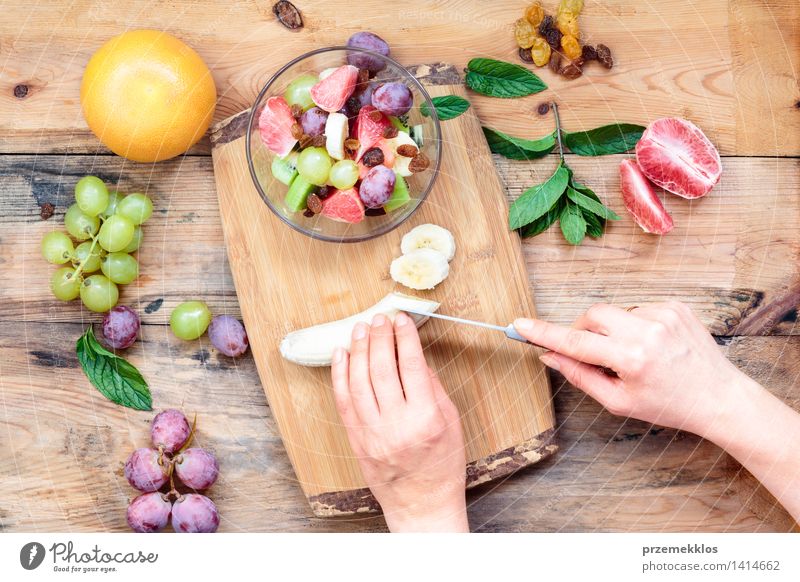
<point x="730" y="66"/>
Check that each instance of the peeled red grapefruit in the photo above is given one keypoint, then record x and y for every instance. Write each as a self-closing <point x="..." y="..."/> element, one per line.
<point x="344" y="206"/>
<point x="675" y="154"/>
<point x="335" y="89"/>
<point x="275" y="126"/>
<point x="369" y="127"/>
<point x="641" y="201"/>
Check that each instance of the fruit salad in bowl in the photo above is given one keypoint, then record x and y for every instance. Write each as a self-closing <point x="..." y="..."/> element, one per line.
<point x="338" y="145"/>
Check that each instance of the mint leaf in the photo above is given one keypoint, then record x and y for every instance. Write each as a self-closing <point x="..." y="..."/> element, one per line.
<point x="516" y="148"/>
<point x="113" y="376"/>
<point x="500" y="79"/>
<point x="616" y="138"/>
<point x="447" y="107"/>
<point x="542" y="223"/>
<point x="594" y="224"/>
<point x="537" y="200"/>
<point x="573" y="224"/>
<point x="591" y="205"/>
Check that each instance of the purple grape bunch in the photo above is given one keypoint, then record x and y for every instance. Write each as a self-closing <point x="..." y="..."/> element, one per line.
<point x="151" y="470"/>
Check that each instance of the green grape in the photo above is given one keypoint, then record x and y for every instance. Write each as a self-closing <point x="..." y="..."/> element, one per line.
<point x="57" y="247"/>
<point x="64" y="285"/>
<point x="79" y="225"/>
<point x="113" y="199"/>
<point x="98" y="293"/>
<point x="298" y="92"/>
<point x="121" y="268"/>
<point x="135" y="207"/>
<point x="136" y="241"/>
<point x="344" y="174"/>
<point x="189" y="320"/>
<point x="116" y="233"/>
<point x="314" y="164"/>
<point x="82" y="254"/>
<point x="91" y="195"/>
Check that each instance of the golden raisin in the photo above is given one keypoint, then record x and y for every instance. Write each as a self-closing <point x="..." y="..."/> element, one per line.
<point x="568" y="24"/>
<point x="534" y="14"/>
<point x="540" y="51"/>
<point x="571" y="47"/>
<point x="525" y="33"/>
<point x="572" y="6"/>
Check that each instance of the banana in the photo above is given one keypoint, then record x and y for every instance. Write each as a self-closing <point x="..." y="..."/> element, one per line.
<point x="401" y="163"/>
<point x="335" y="134"/>
<point x="429" y="236"/>
<point x="420" y="269"/>
<point x="314" y="346"/>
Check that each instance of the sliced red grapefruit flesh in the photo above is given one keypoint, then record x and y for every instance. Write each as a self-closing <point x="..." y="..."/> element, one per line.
<point x="369" y="128"/>
<point x="335" y="89"/>
<point x="344" y="206"/>
<point x="676" y="155"/>
<point x="641" y="201"/>
<point x="275" y="126"/>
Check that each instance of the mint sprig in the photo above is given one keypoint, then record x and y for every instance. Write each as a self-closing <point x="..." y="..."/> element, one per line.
<point x="501" y="79"/>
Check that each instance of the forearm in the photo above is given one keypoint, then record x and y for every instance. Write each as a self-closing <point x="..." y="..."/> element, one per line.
<point x="763" y="434"/>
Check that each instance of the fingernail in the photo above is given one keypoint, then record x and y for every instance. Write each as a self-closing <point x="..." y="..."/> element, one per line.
<point x="338" y="355"/>
<point x="550" y="361"/>
<point x="378" y="320"/>
<point x="360" y="331"/>
<point x="402" y="319"/>
<point x="523" y="324"/>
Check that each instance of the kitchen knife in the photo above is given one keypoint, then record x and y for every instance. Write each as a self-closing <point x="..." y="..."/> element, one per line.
<point x="509" y="330"/>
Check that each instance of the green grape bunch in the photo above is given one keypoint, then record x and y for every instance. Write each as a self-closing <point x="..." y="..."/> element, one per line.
<point x="106" y="228"/>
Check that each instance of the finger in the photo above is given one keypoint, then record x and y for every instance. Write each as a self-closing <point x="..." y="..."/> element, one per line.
<point x="607" y="320"/>
<point x="361" y="393"/>
<point x="341" y="395"/>
<point x="411" y="361"/>
<point x="443" y="400"/>
<point x="581" y="345"/>
<point x="383" y="365"/>
<point x="607" y="390"/>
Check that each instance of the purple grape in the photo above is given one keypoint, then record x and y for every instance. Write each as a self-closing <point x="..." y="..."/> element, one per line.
<point x="393" y="99"/>
<point x="313" y="121"/>
<point x="358" y="100"/>
<point x="194" y="513"/>
<point x="196" y="468"/>
<point x="170" y="430"/>
<point x="228" y="336"/>
<point x="377" y="186"/>
<point x="120" y="327"/>
<point x="149" y="512"/>
<point x="144" y="472"/>
<point x="371" y="42"/>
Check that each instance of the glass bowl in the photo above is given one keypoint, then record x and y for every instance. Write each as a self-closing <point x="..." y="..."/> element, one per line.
<point x="273" y="191"/>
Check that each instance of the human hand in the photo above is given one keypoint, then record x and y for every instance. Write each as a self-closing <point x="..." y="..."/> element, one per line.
<point x="402" y="426"/>
<point x="669" y="369"/>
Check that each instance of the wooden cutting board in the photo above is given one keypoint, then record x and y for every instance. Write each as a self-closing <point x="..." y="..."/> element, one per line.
<point x="287" y="281"/>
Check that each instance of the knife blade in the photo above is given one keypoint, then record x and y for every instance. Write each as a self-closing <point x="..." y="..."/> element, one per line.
<point x="509" y="330"/>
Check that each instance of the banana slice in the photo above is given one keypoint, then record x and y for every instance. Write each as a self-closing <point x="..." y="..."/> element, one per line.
<point x="429" y="236"/>
<point x="420" y="269"/>
<point x="335" y="134"/>
<point x="401" y="163"/>
<point x="314" y="346"/>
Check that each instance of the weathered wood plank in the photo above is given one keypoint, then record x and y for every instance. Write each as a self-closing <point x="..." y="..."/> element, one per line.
<point x="65" y="445"/>
<point x="730" y="66"/>
<point x="734" y="255"/>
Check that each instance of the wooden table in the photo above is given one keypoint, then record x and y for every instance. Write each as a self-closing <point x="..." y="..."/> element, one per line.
<point x="729" y="65"/>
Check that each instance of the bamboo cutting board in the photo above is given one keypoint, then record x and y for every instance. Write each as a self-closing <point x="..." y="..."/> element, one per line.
<point x="286" y="281"/>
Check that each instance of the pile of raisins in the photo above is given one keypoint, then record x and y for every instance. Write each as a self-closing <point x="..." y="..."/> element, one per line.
<point x="554" y="42"/>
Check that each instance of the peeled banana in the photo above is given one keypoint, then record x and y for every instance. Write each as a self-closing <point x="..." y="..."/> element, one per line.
<point x="314" y="346"/>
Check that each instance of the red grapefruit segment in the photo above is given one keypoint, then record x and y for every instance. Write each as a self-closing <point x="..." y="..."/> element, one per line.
<point x="370" y="126"/>
<point x="275" y="126"/>
<point x="344" y="206"/>
<point x="334" y="90"/>
<point x="676" y="155"/>
<point x="641" y="201"/>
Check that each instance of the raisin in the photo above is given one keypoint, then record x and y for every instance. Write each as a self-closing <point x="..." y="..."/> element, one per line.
<point x="305" y="141"/>
<point x="555" y="62"/>
<point x="46" y="210"/>
<point x="379" y="211"/>
<point x="288" y="15"/>
<point x="375" y="116"/>
<point x="314" y="203"/>
<point x="297" y="110"/>
<point x="540" y="52"/>
<point x="407" y="150"/>
<point x="390" y="132"/>
<point x="323" y="192"/>
<point x="525" y="55"/>
<point x="534" y="14"/>
<point x="588" y="53"/>
<point x="351" y="144"/>
<point x="546" y="24"/>
<point x="568" y="24"/>
<point x="573" y="6"/>
<point x="372" y="157"/>
<point x="570" y="46"/>
<point x="308" y="213"/>
<point x="318" y="140"/>
<point x="524" y="32"/>
<point x="297" y="131"/>
<point x="571" y="71"/>
<point x="419" y="163"/>
<point x="604" y="56"/>
<point x="363" y="78"/>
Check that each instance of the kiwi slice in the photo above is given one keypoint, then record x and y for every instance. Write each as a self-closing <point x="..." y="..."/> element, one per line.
<point x="400" y="195"/>
<point x="284" y="169"/>
<point x="398" y="123"/>
<point x="298" y="192"/>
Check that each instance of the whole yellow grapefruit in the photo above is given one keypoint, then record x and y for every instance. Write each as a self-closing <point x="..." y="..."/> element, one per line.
<point x="147" y="95"/>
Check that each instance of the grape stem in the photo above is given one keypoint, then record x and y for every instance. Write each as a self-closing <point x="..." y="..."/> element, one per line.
<point x="79" y="268"/>
<point x="554" y="106"/>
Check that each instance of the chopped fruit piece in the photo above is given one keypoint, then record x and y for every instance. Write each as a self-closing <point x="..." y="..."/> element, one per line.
<point x="275" y="126"/>
<point x="344" y="174"/>
<point x="331" y="92"/>
<point x="420" y="269"/>
<point x="369" y="128"/>
<point x="371" y="42"/>
<point x="313" y="121"/>
<point x="298" y="91"/>
<point x="335" y="133"/>
<point x="344" y="206"/>
<point x="400" y="195"/>
<point x="314" y="164"/>
<point x="398" y="123"/>
<point x="402" y="163"/>
<point x="377" y="186"/>
<point x="299" y="190"/>
<point x="641" y="201"/>
<point x="393" y="98"/>
<point x="284" y="169"/>
<point x="429" y="236"/>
